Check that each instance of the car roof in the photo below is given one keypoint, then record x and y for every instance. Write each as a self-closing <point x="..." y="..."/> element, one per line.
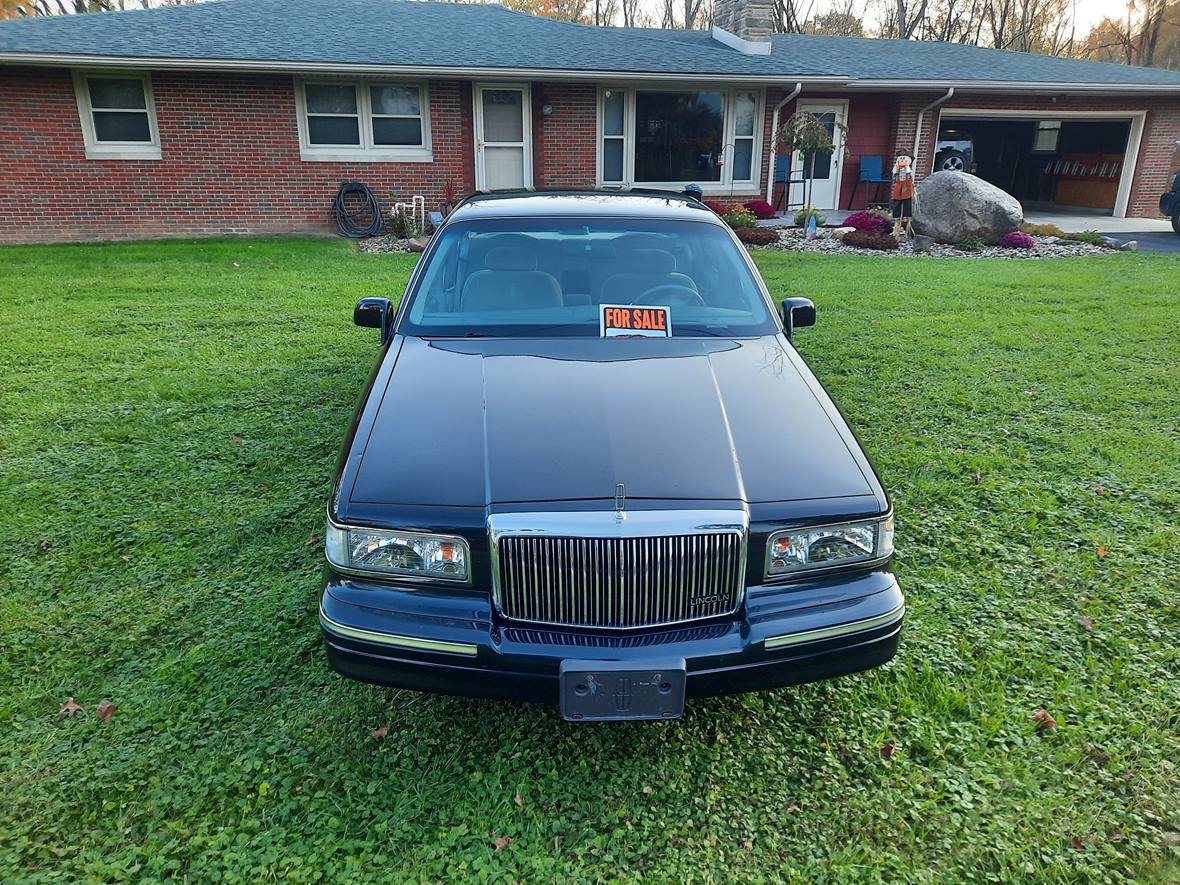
<point x="565" y="204"/>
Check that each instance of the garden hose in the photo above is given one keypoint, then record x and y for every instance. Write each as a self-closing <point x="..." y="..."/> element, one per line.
<point x="364" y="218"/>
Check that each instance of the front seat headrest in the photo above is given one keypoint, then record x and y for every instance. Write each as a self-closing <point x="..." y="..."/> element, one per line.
<point x="510" y="258"/>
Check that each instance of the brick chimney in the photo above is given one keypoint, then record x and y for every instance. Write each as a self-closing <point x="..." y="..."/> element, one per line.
<point x="745" y="25"/>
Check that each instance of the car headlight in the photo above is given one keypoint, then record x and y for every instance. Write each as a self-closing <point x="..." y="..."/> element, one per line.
<point x="805" y="549"/>
<point x="397" y="553"/>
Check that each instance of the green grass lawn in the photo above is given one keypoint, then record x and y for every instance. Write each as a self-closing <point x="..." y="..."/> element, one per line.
<point x="170" y="414"/>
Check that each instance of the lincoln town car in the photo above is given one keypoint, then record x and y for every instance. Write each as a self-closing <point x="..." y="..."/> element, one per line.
<point x="592" y="469"/>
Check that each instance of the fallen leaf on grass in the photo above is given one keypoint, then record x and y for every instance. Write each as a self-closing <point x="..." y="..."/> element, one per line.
<point x="380" y="731"/>
<point x="501" y="842"/>
<point x="44" y="543"/>
<point x="1077" y="843"/>
<point x="1099" y="490"/>
<point x="69" y="708"/>
<point x="976" y="476"/>
<point x="1044" y="721"/>
<point x="106" y="710"/>
<point x="125" y="558"/>
<point x="1098" y="755"/>
<point x="1086" y="623"/>
<point x="1101" y="551"/>
<point x="236" y="264"/>
<point x="314" y="539"/>
<point x="518" y="800"/>
<point x="887" y="750"/>
<point x="237" y="440"/>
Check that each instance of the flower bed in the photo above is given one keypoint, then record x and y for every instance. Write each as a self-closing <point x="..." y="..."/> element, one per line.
<point x="794" y="239"/>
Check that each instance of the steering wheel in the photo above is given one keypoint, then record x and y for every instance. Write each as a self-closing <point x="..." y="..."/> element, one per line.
<point x="671" y="294"/>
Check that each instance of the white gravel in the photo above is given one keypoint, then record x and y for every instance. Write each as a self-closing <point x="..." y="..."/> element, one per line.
<point x="386" y="243"/>
<point x="795" y="240"/>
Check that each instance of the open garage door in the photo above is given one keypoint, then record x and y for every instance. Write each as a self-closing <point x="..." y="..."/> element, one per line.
<point x="1048" y="162"/>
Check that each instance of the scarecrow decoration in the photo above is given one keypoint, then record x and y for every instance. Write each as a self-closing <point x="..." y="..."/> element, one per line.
<point x="902" y="192"/>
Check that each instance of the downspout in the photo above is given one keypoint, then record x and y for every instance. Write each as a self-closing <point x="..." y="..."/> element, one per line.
<point x="774" y="140"/>
<point x="921" y="115"/>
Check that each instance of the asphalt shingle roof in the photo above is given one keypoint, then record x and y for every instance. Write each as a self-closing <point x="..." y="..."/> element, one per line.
<point x="413" y="34"/>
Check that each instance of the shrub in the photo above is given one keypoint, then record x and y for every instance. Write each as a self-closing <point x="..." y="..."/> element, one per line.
<point x="761" y="208"/>
<point x="739" y="216"/>
<point x="1017" y="240"/>
<point x="971" y="244"/>
<point x="1084" y="236"/>
<point x="873" y="222"/>
<point x="806" y="212"/>
<point x="715" y="206"/>
<point x="757" y="236"/>
<point x="1042" y="230"/>
<point x="865" y="239"/>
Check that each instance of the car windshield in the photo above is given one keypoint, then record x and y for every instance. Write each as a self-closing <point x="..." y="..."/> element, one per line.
<point x="511" y="277"/>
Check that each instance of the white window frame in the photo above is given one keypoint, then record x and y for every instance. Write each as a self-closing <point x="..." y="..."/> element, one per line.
<point x="366" y="151"/>
<point x="726" y="185"/>
<point x="116" y="150"/>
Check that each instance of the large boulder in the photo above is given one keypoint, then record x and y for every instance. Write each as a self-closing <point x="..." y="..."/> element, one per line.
<point x="956" y="206"/>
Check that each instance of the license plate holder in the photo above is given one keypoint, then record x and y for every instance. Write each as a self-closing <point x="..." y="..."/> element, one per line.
<point x="597" y="691"/>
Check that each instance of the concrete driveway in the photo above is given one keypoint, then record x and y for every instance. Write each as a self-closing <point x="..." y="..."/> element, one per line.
<point x="1149" y="241"/>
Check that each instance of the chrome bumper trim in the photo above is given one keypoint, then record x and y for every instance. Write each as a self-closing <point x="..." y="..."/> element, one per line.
<point x="835" y="631"/>
<point x="392" y="639"/>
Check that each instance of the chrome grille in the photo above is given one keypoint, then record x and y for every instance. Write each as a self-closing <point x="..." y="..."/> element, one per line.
<point x="619" y="582"/>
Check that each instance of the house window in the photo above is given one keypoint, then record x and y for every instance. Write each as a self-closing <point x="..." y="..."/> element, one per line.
<point x="667" y="138"/>
<point x="118" y="116"/>
<point x="1047" y="137"/>
<point x="354" y="120"/>
<point x="613" y="113"/>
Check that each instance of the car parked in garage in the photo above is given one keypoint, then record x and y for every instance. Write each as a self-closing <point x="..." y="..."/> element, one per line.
<point x="591" y="469"/>
<point x="954" y="152"/>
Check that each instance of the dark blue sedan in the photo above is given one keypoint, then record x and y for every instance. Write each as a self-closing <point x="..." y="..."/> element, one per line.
<point x="591" y="469"/>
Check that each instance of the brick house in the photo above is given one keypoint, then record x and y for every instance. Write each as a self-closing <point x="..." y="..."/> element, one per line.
<point x="244" y="116"/>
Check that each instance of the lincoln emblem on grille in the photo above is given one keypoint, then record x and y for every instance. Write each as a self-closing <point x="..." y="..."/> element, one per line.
<point x="620" y="502"/>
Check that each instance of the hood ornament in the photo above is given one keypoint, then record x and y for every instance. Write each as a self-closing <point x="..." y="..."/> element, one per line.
<point x="620" y="502"/>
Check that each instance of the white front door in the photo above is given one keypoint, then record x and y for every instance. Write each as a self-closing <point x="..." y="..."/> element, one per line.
<point x="503" y="147"/>
<point x="825" y="173"/>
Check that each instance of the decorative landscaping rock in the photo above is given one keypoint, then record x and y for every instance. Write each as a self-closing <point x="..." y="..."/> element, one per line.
<point x="1112" y="243"/>
<point x="839" y="232"/>
<point x="955" y="206"/>
<point x="1129" y="246"/>
<point x="920" y="243"/>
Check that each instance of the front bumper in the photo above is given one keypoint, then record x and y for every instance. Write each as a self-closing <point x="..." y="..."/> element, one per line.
<point x="440" y="639"/>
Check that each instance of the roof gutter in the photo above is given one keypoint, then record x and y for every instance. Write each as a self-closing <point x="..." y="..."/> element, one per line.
<point x="1011" y="86"/>
<point x="921" y="118"/>
<point x="774" y="139"/>
<point x="449" y="72"/>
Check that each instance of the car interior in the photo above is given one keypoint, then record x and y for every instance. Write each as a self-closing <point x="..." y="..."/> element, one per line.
<point x="562" y="275"/>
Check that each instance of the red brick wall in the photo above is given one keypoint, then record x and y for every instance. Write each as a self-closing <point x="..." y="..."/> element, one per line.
<point x="230" y="161"/>
<point x="564" y="143"/>
<point x="1161" y="127"/>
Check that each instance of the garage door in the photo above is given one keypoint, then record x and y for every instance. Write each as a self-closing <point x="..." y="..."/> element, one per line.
<point x="1047" y="161"/>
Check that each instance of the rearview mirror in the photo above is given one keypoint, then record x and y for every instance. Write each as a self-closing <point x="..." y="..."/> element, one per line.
<point x="373" y="313"/>
<point x="797" y="312"/>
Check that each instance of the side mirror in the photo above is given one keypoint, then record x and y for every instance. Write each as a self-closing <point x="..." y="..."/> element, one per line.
<point x="373" y="313"/>
<point x="797" y="312"/>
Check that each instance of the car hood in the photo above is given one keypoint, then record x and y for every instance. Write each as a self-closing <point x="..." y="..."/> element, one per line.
<point x="493" y="421"/>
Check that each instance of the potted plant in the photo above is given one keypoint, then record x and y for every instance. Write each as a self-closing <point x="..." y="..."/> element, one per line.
<point x="807" y="134"/>
<point x="450" y="196"/>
